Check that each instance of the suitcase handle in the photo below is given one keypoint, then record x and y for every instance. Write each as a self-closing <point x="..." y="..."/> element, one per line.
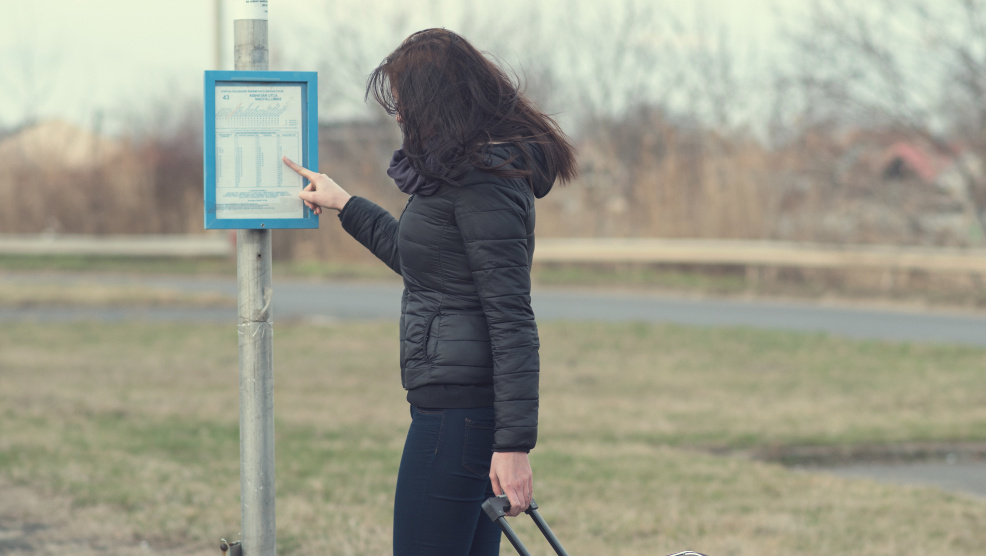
<point x="496" y="509"/>
<point x="498" y="506"/>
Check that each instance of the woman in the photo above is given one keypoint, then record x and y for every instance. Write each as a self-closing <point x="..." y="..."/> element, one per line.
<point x="476" y="153"/>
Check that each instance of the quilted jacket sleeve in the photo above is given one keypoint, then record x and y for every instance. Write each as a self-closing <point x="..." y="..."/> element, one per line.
<point x="495" y="221"/>
<point x="374" y="227"/>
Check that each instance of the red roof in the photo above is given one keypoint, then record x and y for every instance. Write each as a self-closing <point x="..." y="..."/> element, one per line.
<point x="926" y="164"/>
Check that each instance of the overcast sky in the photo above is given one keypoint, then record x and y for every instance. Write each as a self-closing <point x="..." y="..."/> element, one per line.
<point x="72" y="58"/>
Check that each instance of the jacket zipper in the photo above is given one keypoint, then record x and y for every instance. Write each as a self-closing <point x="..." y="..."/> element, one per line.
<point x="407" y="204"/>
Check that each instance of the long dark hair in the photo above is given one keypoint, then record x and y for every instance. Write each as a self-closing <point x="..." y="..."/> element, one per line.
<point x="453" y="102"/>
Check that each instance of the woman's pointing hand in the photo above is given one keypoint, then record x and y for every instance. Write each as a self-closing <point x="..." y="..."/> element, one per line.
<point x="321" y="192"/>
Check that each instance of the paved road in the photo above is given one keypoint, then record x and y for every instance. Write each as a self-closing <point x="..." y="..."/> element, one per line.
<point x="964" y="477"/>
<point x="296" y="300"/>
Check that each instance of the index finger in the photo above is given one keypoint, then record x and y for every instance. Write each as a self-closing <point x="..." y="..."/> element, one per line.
<point x="300" y="170"/>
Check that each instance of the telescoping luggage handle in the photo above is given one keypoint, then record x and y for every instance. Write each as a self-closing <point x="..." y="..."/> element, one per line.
<point x="496" y="509"/>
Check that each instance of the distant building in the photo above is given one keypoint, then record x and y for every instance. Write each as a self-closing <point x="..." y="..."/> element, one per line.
<point x="882" y="186"/>
<point x="949" y="169"/>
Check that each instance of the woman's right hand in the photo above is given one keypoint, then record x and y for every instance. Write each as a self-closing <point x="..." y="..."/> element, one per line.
<point x="321" y="192"/>
<point x="510" y="474"/>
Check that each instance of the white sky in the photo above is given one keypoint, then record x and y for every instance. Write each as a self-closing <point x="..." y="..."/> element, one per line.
<point x="72" y="58"/>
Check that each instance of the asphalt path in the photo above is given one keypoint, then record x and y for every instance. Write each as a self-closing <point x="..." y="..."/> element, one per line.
<point x="312" y="301"/>
<point x="962" y="477"/>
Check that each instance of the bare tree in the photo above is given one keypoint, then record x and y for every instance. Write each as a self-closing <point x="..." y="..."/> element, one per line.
<point x="30" y="71"/>
<point x="657" y="103"/>
<point x="909" y="65"/>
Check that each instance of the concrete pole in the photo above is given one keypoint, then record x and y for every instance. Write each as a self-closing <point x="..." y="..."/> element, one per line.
<point x="253" y="273"/>
<point x="218" y="39"/>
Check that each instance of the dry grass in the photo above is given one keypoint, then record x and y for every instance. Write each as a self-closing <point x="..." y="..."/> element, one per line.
<point x="39" y="522"/>
<point x="139" y="422"/>
<point x="747" y="388"/>
<point x="97" y="295"/>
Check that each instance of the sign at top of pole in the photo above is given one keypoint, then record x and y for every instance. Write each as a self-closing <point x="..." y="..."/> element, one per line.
<point x="250" y="9"/>
<point x="252" y="119"/>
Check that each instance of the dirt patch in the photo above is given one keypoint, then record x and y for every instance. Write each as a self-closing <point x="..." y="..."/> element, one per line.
<point x="47" y="524"/>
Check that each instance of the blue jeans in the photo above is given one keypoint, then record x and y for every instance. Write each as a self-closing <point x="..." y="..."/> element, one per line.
<point x="442" y="483"/>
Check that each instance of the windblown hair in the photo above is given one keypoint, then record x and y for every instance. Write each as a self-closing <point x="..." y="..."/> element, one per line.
<point x="452" y="102"/>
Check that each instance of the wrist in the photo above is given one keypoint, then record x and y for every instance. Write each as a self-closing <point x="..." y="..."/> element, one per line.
<point x="340" y="202"/>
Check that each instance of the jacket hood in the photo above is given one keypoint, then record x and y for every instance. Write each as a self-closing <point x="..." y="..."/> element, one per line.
<point x="541" y="183"/>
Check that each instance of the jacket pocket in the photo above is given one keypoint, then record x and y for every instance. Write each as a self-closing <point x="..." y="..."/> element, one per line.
<point x="432" y="334"/>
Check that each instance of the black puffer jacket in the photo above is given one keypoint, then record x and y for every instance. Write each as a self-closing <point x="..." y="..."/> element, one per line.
<point x="468" y="336"/>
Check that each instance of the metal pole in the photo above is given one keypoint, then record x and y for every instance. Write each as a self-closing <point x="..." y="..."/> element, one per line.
<point x="253" y="272"/>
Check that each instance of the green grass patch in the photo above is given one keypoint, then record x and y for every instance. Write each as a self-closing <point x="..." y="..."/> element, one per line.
<point x="332" y="270"/>
<point x="91" y="294"/>
<point x="721" y="281"/>
<point x="137" y="265"/>
<point x="944" y="290"/>
<point x="142" y="420"/>
<point x="218" y="266"/>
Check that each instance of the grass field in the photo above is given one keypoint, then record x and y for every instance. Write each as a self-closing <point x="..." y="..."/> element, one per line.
<point x="137" y="425"/>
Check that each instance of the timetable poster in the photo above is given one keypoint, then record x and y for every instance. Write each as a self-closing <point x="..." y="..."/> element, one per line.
<point x="255" y="126"/>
